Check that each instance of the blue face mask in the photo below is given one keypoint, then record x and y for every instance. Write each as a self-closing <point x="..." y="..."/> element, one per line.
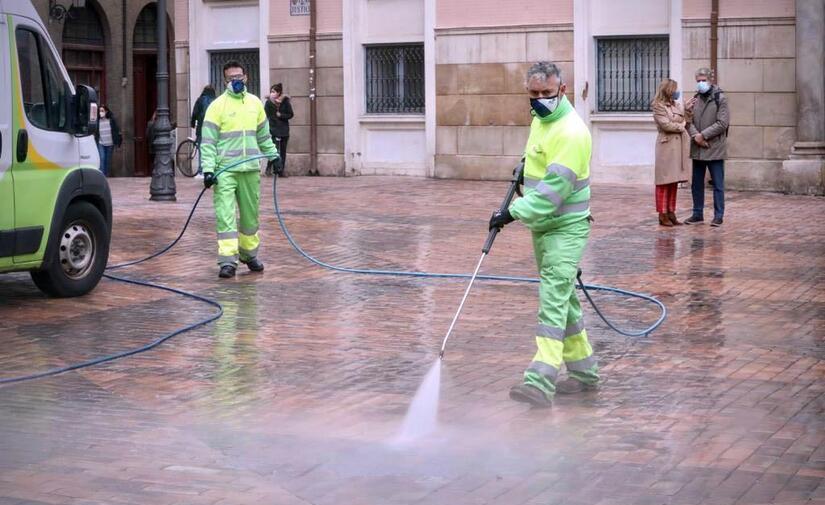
<point x="544" y="106"/>
<point x="703" y="87"/>
<point x="236" y="85"/>
<point x="677" y="95"/>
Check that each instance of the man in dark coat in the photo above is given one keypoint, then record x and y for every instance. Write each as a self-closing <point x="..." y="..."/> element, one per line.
<point x="708" y="128"/>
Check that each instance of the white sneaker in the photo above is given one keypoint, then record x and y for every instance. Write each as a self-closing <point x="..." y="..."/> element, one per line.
<point x="198" y="176"/>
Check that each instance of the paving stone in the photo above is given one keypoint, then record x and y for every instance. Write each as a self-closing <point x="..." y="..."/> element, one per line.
<point x="295" y="395"/>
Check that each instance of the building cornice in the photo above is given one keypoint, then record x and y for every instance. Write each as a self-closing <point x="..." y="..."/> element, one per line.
<point x="303" y="37"/>
<point x="484" y="30"/>
<point x="705" y="23"/>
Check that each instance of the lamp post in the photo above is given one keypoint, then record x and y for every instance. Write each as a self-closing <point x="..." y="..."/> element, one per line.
<point x="162" y="187"/>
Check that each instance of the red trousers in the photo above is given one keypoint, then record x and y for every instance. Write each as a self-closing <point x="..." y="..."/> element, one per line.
<point x="666" y="197"/>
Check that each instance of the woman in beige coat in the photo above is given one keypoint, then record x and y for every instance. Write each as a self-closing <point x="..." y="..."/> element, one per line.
<point x="672" y="150"/>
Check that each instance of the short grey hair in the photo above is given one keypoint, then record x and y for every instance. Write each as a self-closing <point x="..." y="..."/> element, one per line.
<point x="543" y="70"/>
<point x="704" y="71"/>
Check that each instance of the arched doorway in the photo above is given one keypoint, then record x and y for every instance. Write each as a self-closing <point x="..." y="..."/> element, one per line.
<point x="84" y="49"/>
<point x="144" y="70"/>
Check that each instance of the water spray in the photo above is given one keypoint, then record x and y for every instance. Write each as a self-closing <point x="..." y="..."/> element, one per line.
<point x="488" y="244"/>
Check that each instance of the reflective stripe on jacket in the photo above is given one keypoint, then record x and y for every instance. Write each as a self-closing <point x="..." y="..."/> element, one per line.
<point x="235" y="127"/>
<point x="556" y="172"/>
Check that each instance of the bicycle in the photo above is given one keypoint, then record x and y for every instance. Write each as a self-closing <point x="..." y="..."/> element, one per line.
<point x="187" y="157"/>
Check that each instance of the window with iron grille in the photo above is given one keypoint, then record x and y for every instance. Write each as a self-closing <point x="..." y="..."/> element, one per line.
<point x="629" y="70"/>
<point x="395" y="79"/>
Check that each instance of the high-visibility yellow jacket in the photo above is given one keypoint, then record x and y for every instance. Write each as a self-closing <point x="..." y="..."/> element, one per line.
<point x="556" y="171"/>
<point x="235" y="127"/>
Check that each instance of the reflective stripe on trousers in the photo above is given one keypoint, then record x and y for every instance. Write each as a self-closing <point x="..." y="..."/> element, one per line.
<point x="241" y="190"/>
<point x="560" y="335"/>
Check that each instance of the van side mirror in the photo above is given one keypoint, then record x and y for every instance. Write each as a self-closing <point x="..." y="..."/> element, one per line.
<point x="84" y="115"/>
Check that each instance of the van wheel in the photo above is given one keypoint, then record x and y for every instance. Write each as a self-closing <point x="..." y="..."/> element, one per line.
<point x="78" y="261"/>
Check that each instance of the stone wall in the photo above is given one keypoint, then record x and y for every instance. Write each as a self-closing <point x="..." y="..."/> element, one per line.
<point x="482" y="110"/>
<point x="757" y="72"/>
<point x="289" y="64"/>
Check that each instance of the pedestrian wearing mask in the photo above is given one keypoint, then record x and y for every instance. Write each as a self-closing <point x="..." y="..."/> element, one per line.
<point x="279" y="111"/>
<point x="107" y="135"/>
<point x="556" y="209"/>
<point x="672" y="150"/>
<point x="709" y="132"/>
<point x="235" y="128"/>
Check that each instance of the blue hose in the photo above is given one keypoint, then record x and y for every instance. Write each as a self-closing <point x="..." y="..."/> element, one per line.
<point x="400" y="273"/>
<point x="103" y="359"/>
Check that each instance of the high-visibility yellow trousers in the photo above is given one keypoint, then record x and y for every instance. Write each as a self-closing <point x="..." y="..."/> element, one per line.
<point x="560" y="334"/>
<point x="237" y="240"/>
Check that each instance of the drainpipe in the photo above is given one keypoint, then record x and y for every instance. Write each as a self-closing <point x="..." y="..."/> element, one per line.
<point x="126" y="153"/>
<point x="313" y="123"/>
<point x="123" y="76"/>
<point x="714" y="40"/>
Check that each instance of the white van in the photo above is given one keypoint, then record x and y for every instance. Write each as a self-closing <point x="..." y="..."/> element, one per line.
<point x="55" y="204"/>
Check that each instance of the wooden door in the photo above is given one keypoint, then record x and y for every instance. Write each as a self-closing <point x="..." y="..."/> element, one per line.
<point x="145" y="103"/>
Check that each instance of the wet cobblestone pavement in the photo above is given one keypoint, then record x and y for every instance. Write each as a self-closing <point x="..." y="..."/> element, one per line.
<point x="292" y="397"/>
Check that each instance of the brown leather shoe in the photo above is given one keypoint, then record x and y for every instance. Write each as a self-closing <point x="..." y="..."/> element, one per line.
<point x="663" y="220"/>
<point x="672" y="217"/>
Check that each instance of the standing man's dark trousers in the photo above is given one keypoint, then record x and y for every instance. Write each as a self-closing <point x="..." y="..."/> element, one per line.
<point x="697" y="187"/>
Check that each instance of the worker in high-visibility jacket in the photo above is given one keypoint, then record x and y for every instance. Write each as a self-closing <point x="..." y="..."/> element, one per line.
<point x="235" y="127"/>
<point x="556" y="209"/>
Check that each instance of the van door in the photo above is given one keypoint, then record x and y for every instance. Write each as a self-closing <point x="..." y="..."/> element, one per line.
<point x="6" y="184"/>
<point x="46" y="150"/>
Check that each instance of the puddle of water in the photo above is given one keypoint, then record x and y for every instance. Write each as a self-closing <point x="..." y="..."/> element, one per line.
<point x="422" y="415"/>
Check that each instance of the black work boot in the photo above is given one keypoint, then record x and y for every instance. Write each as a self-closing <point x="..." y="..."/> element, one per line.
<point x="571" y="386"/>
<point x="255" y="265"/>
<point x="526" y="393"/>
<point x="226" y="272"/>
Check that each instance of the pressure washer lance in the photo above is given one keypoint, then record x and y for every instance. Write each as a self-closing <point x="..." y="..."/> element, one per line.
<point x="511" y="192"/>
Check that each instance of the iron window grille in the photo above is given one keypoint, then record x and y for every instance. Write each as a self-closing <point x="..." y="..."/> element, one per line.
<point x="629" y="70"/>
<point x="395" y="79"/>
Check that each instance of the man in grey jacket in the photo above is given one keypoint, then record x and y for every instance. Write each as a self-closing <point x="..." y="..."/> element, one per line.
<point x="708" y="129"/>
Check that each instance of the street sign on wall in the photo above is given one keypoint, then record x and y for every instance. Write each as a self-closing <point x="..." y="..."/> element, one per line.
<point x="299" y="7"/>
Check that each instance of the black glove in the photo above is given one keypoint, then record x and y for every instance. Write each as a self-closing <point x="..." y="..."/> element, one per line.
<point x="500" y="218"/>
<point x="209" y="180"/>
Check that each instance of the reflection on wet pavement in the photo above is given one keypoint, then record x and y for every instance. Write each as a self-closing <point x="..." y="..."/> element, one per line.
<point x="294" y="395"/>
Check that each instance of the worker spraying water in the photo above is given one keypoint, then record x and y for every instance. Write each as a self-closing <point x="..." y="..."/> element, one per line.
<point x="556" y="208"/>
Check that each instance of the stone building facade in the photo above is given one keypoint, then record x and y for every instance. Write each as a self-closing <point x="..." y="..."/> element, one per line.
<point x="111" y="45"/>
<point x="457" y="107"/>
